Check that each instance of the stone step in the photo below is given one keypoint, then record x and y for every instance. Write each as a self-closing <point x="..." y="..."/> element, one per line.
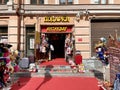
<point x="62" y="67"/>
<point x="70" y="73"/>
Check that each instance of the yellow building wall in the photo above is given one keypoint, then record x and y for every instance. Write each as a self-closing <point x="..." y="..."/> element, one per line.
<point x="82" y="31"/>
<point x="12" y="31"/>
<point x="3" y="21"/>
<point x="51" y="1"/>
<point x="82" y="37"/>
<point x="83" y="47"/>
<point x="84" y="1"/>
<point x="116" y="1"/>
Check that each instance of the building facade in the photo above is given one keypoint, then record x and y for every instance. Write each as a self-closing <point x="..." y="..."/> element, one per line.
<point x="23" y="22"/>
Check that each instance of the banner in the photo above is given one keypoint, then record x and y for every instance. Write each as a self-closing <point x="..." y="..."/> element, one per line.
<point x="37" y="37"/>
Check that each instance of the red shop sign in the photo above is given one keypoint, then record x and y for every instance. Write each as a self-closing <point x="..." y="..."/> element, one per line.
<point x="58" y="29"/>
<point x="80" y="39"/>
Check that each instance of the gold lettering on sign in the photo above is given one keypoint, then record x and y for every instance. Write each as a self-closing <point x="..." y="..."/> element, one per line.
<point x="56" y="19"/>
<point x="56" y="29"/>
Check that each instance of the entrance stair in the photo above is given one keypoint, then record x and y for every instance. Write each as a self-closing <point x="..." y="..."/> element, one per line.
<point x="93" y="68"/>
<point x="62" y="70"/>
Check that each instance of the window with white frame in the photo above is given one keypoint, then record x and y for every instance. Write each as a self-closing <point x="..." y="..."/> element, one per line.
<point x="3" y="1"/>
<point x="3" y="34"/>
<point x="66" y="2"/>
<point x="40" y="2"/>
<point x="99" y="1"/>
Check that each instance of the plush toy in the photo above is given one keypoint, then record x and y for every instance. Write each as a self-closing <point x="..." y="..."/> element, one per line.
<point x="81" y="68"/>
<point x="32" y="67"/>
<point x="73" y="66"/>
<point x="10" y="67"/>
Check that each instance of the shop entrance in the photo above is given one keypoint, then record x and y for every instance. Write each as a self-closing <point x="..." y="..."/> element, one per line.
<point x="58" y="41"/>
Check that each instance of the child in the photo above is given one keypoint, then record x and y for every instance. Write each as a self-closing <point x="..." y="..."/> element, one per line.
<point x="78" y="58"/>
<point x="78" y="62"/>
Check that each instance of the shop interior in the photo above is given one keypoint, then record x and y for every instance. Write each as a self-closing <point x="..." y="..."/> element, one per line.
<point x="58" y="41"/>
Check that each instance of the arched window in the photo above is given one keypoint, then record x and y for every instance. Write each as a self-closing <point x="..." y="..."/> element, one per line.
<point x="40" y="2"/>
<point x="3" y="1"/>
<point x="66" y="2"/>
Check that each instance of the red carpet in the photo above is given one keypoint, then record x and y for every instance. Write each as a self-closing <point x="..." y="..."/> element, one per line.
<point x="57" y="61"/>
<point x="57" y="83"/>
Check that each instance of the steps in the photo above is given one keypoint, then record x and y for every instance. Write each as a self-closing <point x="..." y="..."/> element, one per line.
<point x="63" y="70"/>
<point x="93" y="68"/>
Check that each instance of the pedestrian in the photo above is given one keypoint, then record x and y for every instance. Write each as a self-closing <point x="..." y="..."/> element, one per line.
<point x="44" y="51"/>
<point x="78" y="58"/>
<point x="52" y="51"/>
<point x="78" y="62"/>
<point x="68" y="53"/>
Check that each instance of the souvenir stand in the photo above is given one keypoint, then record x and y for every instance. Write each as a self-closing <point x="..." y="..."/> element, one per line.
<point x="7" y="63"/>
<point x="114" y="60"/>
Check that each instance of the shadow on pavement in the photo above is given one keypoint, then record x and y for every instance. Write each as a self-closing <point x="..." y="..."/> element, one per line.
<point x="98" y="74"/>
<point x="20" y="79"/>
<point x="47" y="76"/>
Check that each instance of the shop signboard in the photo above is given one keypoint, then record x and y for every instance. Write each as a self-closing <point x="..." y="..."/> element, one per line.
<point x="56" y="29"/>
<point x="54" y="19"/>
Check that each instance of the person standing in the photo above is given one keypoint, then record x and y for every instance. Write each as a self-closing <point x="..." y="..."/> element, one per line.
<point x="67" y="45"/>
<point x="52" y="51"/>
<point x="78" y="58"/>
<point x="68" y="53"/>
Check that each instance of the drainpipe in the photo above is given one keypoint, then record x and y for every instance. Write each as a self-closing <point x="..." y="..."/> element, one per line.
<point x="18" y="24"/>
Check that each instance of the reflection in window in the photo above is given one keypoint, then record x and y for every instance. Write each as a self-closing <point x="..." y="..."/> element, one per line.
<point x="99" y="1"/>
<point x="62" y="2"/>
<point x="103" y="1"/>
<point x="3" y="34"/>
<point x="66" y="2"/>
<point x="70" y="1"/>
<point x="33" y="1"/>
<point x="41" y="2"/>
<point x="3" y="1"/>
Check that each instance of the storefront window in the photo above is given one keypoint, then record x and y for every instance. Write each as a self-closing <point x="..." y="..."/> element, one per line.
<point x="3" y="34"/>
<point x="66" y="2"/>
<point x="3" y="1"/>
<point x="99" y="1"/>
<point x="30" y="39"/>
<point x="37" y="2"/>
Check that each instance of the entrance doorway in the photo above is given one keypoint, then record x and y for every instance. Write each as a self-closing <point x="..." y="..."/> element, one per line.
<point x="58" y="41"/>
